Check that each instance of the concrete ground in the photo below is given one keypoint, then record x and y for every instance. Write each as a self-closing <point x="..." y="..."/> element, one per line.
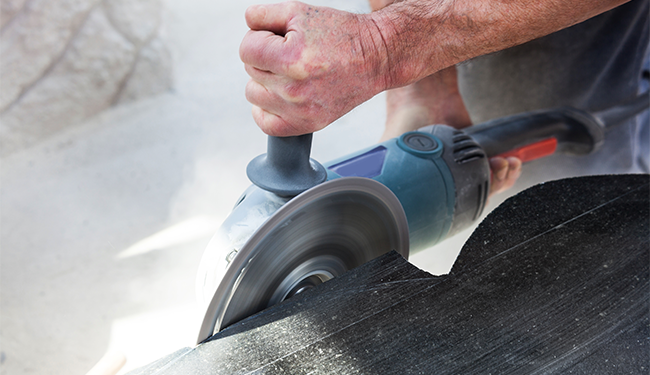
<point x="103" y="225"/>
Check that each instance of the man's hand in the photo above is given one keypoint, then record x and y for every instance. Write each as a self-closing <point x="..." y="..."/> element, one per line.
<point x="505" y="172"/>
<point x="309" y="65"/>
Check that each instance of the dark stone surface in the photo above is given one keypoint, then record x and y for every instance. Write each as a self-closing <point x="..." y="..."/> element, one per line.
<point x="556" y="280"/>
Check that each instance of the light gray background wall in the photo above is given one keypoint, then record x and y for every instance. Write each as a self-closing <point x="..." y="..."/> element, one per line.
<point x="63" y="61"/>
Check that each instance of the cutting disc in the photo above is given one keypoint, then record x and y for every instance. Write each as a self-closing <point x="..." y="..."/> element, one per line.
<point x="318" y="235"/>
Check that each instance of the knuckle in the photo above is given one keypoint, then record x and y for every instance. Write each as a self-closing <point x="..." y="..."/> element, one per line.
<point x="294" y="5"/>
<point x="294" y="93"/>
<point x="248" y="90"/>
<point x="246" y="46"/>
<point x="250" y="11"/>
<point x="255" y="12"/>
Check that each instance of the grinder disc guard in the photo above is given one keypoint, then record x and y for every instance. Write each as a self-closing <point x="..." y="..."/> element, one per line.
<point x="271" y="248"/>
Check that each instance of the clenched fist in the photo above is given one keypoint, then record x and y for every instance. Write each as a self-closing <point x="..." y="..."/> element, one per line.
<point x="309" y="65"/>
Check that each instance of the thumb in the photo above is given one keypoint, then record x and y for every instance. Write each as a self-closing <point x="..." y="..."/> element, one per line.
<point x="271" y="17"/>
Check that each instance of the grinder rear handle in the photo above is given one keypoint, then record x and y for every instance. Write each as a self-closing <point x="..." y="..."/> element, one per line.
<point x="569" y="130"/>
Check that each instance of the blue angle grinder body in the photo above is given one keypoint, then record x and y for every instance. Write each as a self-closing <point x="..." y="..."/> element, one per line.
<point x="303" y="223"/>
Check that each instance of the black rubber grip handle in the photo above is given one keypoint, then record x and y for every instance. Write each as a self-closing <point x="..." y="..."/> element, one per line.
<point x="577" y="132"/>
<point x="286" y="168"/>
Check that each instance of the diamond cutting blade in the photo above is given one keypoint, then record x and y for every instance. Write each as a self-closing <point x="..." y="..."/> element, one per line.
<point x="316" y="236"/>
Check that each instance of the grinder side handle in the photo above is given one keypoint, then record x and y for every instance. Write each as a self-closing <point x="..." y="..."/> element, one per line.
<point x="286" y="168"/>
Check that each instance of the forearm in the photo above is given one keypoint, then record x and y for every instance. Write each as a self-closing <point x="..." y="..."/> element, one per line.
<point x="421" y="37"/>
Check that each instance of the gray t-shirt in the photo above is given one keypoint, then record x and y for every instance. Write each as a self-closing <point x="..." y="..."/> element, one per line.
<point x="593" y="65"/>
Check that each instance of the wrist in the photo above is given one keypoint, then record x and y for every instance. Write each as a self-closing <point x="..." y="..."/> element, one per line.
<point x="376" y="54"/>
<point x="413" y="40"/>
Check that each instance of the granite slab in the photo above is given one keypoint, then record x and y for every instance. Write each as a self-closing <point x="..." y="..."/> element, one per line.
<point x="555" y="280"/>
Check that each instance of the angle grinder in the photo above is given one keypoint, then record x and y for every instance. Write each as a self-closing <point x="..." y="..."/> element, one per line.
<point x="302" y="223"/>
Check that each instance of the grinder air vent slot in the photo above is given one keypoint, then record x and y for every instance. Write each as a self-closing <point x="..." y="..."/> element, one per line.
<point x="483" y="190"/>
<point x="465" y="149"/>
